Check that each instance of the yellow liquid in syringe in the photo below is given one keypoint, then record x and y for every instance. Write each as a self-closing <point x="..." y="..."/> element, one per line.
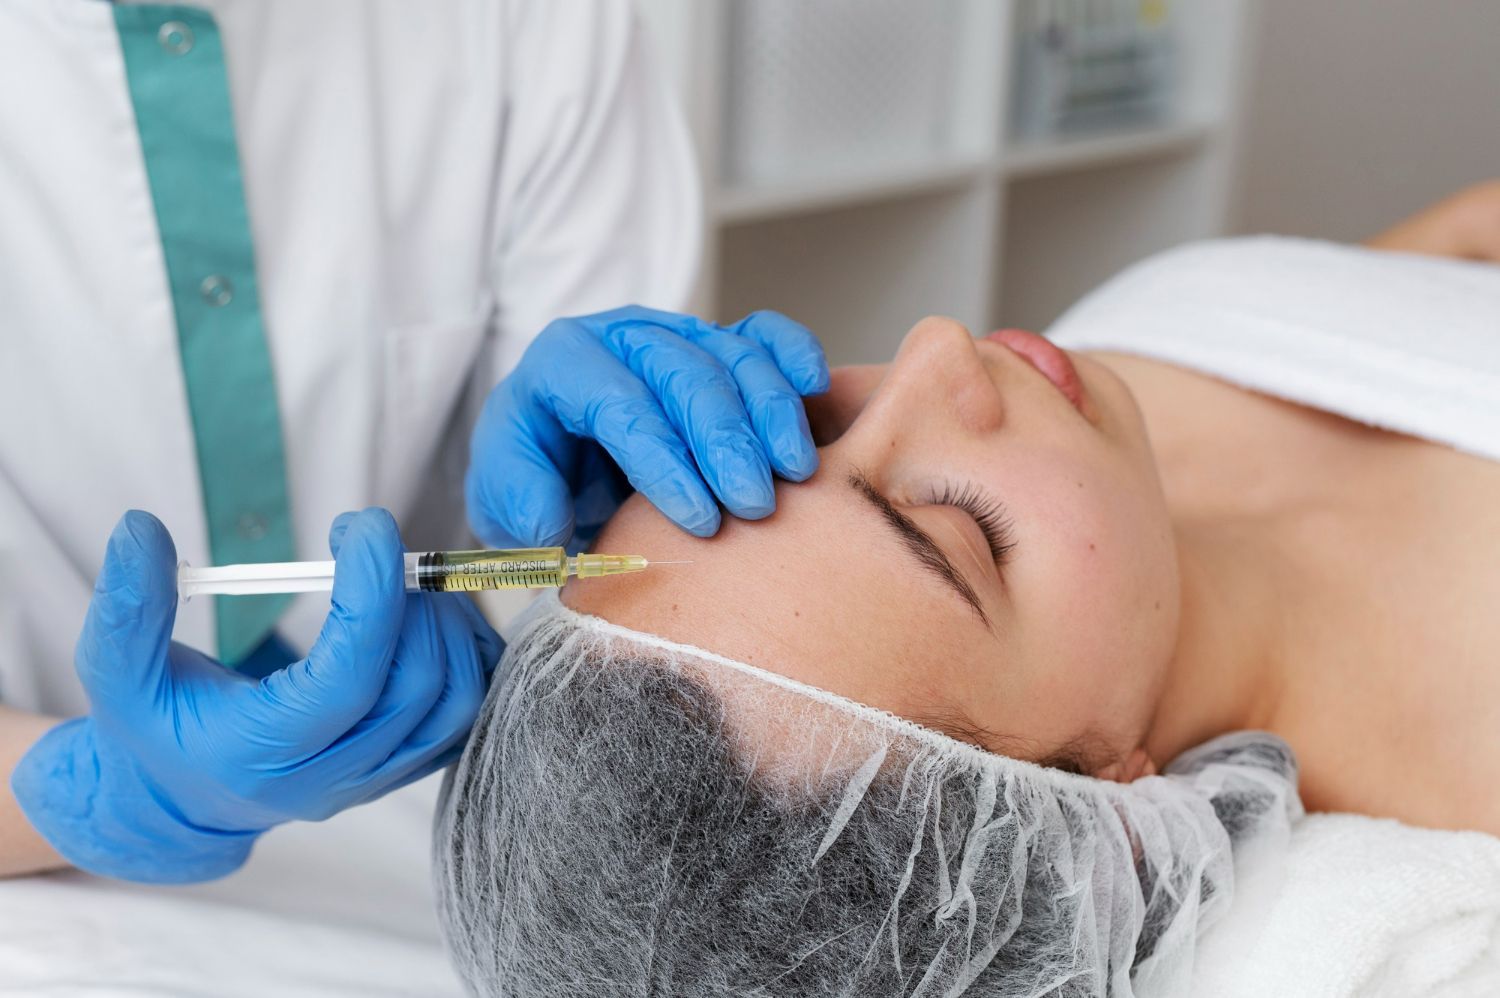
<point x="516" y="568"/>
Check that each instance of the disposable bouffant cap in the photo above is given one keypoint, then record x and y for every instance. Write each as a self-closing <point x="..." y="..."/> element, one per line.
<point x="636" y="817"/>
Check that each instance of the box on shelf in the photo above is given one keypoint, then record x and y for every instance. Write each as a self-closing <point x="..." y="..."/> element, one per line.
<point x="1093" y="64"/>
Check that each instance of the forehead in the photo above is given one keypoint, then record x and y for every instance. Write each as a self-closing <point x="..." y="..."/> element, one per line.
<point x="819" y="591"/>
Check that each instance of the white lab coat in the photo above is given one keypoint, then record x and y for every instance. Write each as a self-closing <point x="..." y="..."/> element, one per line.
<point x="428" y="185"/>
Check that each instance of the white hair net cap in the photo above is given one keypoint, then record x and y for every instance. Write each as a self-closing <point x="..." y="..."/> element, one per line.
<point x="638" y="817"/>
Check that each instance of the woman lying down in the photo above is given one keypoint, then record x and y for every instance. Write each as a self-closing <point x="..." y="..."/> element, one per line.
<point x="992" y="703"/>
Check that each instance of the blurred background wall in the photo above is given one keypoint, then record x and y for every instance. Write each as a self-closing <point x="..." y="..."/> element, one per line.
<point x="869" y="162"/>
<point x="1360" y="111"/>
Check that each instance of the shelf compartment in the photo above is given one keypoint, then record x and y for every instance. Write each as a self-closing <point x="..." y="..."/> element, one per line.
<point x="753" y="203"/>
<point x="1035" y="157"/>
<point x="860" y="276"/>
<point x="1057" y="248"/>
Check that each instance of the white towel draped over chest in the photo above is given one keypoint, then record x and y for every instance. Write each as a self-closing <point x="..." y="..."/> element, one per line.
<point x="1394" y="340"/>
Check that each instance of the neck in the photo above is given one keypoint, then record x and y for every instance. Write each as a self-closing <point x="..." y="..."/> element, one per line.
<point x="1227" y="671"/>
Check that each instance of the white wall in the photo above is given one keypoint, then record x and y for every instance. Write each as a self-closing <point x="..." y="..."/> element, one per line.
<point x="1362" y="111"/>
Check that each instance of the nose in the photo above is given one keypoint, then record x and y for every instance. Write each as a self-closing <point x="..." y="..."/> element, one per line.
<point x="937" y="384"/>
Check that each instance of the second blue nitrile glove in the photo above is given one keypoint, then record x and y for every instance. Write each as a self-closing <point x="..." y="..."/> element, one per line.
<point x="694" y="414"/>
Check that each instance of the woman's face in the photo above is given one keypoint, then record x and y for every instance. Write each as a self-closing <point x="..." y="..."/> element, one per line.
<point x="878" y="579"/>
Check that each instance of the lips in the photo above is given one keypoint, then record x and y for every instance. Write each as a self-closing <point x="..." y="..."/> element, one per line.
<point x="1051" y="360"/>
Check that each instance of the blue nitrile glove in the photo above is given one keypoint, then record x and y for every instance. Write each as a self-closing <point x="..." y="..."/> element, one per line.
<point x="182" y="763"/>
<point x="687" y="409"/>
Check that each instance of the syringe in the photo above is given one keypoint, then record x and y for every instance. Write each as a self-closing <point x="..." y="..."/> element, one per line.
<point x="430" y="571"/>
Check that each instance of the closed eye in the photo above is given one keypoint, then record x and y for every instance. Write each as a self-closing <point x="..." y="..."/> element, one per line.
<point x="927" y="552"/>
<point x="988" y="513"/>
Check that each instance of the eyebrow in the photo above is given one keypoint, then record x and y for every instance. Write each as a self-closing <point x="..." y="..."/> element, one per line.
<point x="919" y="544"/>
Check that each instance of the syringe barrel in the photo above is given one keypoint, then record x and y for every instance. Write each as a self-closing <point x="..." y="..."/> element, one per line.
<point x="468" y="571"/>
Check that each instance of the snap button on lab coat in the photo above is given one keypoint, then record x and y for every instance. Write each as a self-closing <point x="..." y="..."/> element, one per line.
<point x="251" y="526"/>
<point x="217" y="290"/>
<point x="175" y="38"/>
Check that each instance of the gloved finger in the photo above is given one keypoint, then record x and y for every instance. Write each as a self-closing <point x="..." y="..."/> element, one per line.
<point x="337" y="529"/>
<point x="612" y="405"/>
<point x="417" y="679"/>
<point x="319" y="698"/>
<point x="704" y="405"/>
<point x="774" y="406"/>
<point x="452" y="712"/>
<point x="122" y="651"/>
<point x="797" y="351"/>
<point x="423" y="769"/>
<point x="515" y="491"/>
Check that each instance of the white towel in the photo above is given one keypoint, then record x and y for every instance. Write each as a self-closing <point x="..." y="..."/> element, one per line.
<point x="1366" y="907"/>
<point x="1395" y="340"/>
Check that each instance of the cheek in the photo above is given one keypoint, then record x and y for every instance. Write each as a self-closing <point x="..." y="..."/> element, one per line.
<point x="1106" y="590"/>
<point x="1117" y="561"/>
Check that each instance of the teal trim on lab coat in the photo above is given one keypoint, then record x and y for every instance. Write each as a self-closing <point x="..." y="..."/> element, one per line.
<point x="175" y="66"/>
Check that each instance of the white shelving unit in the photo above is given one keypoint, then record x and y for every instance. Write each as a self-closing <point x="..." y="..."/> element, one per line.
<point x="986" y="228"/>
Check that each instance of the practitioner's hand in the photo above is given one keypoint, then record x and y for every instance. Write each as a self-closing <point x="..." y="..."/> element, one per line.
<point x="694" y="414"/>
<point x="1464" y="225"/>
<point x="182" y="763"/>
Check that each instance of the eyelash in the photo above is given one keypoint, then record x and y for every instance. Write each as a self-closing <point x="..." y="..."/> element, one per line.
<point x="988" y="513"/>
